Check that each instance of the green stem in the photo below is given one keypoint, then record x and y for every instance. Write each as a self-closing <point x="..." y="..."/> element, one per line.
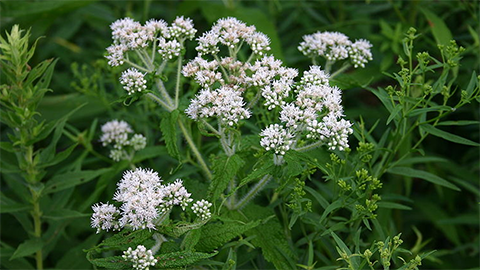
<point x="177" y="85"/>
<point x="252" y="192"/>
<point x="309" y="146"/>
<point x="340" y="70"/>
<point x="163" y="91"/>
<point x="194" y="149"/>
<point x="160" y="101"/>
<point x="36" y="214"/>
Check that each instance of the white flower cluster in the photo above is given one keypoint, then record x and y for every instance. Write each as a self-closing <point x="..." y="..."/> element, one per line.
<point x="133" y="81"/>
<point x="144" y="198"/>
<point x="316" y="113"/>
<point x="141" y="258"/>
<point x="226" y="103"/>
<point x="117" y="132"/>
<point x="202" y="209"/>
<point x="336" y="46"/>
<point x="275" y="137"/>
<point x="128" y="34"/>
<point x="105" y="217"/>
<point x="232" y="33"/>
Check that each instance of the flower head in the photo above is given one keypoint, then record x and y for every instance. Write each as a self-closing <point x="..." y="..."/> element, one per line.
<point x="133" y="81"/>
<point x="141" y="258"/>
<point x="115" y="132"/>
<point x="202" y="209"/>
<point x="276" y="138"/>
<point x="104" y="217"/>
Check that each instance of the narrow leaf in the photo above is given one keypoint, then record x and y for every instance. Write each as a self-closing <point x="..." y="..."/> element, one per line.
<point x="410" y="172"/>
<point x="447" y="136"/>
<point x="27" y="248"/>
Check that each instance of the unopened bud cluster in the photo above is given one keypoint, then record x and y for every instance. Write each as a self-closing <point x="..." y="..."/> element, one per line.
<point x="202" y="209"/>
<point x="141" y="258"/>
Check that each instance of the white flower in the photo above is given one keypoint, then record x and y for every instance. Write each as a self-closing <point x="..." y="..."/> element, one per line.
<point x="259" y="43"/>
<point x="331" y="45"/>
<point x="202" y="209"/>
<point x="292" y="115"/>
<point x="155" y="27"/>
<point x="174" y="194"/>
<point x="276" y="138"/>
<point x="169" y="49"/>
<point x="207" y="43"/>
<point x="181" y="29"/>
<point x="225" y="103"/>
<point x="314" y="76"/>
<point x="139" y="191"/>
<point x="115" y="54"/>
<point x="115" y="132"/>
<point x="138" y="142"/>
<point x="133" y="81"/>
<point x="360" y="53"/>
<point x="117" y="154"/>
<point x="141" y="258"/>
<point x="104" y="217"/>
<point x="332" y="130"/>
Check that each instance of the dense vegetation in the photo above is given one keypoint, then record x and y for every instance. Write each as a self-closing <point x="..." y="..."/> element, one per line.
<point x="404" y="194"/>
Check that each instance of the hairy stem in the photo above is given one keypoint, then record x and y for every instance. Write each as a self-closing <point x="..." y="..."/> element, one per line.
<point x="252" y="192"/>
<point x="177" y="85"/>
<point x="194" y="149"/>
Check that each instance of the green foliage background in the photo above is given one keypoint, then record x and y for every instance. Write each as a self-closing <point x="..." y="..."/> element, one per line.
<point x="77" y="32"/>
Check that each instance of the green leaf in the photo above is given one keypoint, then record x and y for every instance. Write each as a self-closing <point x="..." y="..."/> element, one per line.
<point x="149" y="153"/>
<point x="410" y="172"/>
<point x="447" y="136"/>
<point x="27" y="248"/>
<point x="270" y="237"/>
<point x="114" y="262"/>
<point x="473" y="84"/>
<point x="344" y="248"/>
<point x="181" y="259"/>
<point x="60" y="214"/>
<point x="333" y="206"/>
<point x="458" y="123"/>
<point x="415" y="160"/>
<point x="214" y="235"/>
<point x="392" y="205"/>
<point x="257" y="173"/>
<point x="168" y="126"/>
<point x="394" y="113"/>
<point x="224" y="169"/>
<point x="191" y="239"/>
<point x="320" y="199"/>
<point x="71" y="179"/>
<point x="6" y="252"/>
<point x="434" y="213"/>
<point x="440" y="31"/>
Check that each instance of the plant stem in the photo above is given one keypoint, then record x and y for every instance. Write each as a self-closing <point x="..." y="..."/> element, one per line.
<point x="309" y="147"/>
<point x="340" y="70"/>
<point x="194" y="149"/>
<point x="164" y="93"/>
<point x="177" y="85"/>
<point x="255" y="189"/>
<point x="159" y="101"/>
<point x="36" y="214"/>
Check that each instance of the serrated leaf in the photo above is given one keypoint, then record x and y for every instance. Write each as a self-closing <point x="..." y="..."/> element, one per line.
<point x="114" y="262"/>
<point x="224" y="168"/>
<point x="410" y="172"/>
<point x="180" y="259"/>
<point x="270" y="237"/>
<point x="168" y="126"/>
<point x="257" y="173"/>
<point x="180" y="228"/>
<point x="191" y="239"/>
<point x="214" y="235"/>
<point x="447" y="136"/>
<point x="27" y="248"/>
<point x="71" y="179"/>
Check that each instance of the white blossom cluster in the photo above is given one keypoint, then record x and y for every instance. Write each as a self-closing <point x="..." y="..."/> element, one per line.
<point x="226" y="103"/>
<point x="143" y="200"/>
<point x="202" y="209"/>
<point x="128" y="34"/>
<point x="275" y="137"/>
<point x="133" y="81"/>
<point x="117" y="133"/>
<point x="232" y="33"/>
<point x="141" y="258"/>
<point x="316" y="113"/>
<point x="335" y="46"/>
<point x="105" y="217"/>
